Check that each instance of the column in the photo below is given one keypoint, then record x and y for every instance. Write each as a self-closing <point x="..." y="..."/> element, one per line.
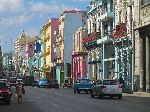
<point x="147" y="64"/>
<point x="141" y="63"/>
<point x="103" y="61"/>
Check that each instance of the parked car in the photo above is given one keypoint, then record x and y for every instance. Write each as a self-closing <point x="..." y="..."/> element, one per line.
<point x="35" y="83"/>
<point x="53" y="84"/>
<point x="67" y="84"/>
<point x="83" y="84"/>
<point x="107" y="88"/>
<point x="5" y="93"/>
<point x="42" y="83"/>
<point x="13" y="81"/>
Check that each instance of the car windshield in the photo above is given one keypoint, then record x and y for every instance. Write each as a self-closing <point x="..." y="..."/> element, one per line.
<point x="3" y="85"/>
<point x="84" y="80"/>
<point x="12" y="79"/>
<point x="35" y="81"/>
<point x="110" y="82"/>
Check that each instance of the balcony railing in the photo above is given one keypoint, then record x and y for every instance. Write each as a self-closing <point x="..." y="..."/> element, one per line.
<point x="107" y="16"/>
<point x="91" y="37"/>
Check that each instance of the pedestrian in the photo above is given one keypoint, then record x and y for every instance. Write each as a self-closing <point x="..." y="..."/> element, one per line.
<point x="19" y="92"/>
<point x="13" y="91"/>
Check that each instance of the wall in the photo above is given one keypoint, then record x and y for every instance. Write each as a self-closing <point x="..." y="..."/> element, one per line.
<point x="72" y="22"/>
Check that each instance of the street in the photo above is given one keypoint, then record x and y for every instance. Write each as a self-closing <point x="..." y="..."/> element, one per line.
<point x="64" y="100"/>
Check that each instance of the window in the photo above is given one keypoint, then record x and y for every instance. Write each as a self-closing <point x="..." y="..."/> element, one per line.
<point x="110" y="82"/>
<point x="99" y="82"/>
<point x="145" y="2"/>
<point x="119" y="17"/>
<point x="111" y="5"/>
<point x="105" y="7"/>
<point x="90" y="26"/>
<point x="30" y="46"/>
<point x="105" y="29"/>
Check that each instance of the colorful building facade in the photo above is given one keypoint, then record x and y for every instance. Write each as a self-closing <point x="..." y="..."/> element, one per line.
<point x="79" y="55"/>
<point x="68" y="22"/>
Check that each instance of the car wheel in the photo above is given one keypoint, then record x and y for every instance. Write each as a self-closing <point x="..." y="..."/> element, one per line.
<point x="74" y="91"/>
<point x="78" y="91"/>
<point x="120" y="96"/>
<point x="86" y="91"/>
<point x="8" y="102"/>
<point x="99" y="95"/>
<point x="92" y="96"/>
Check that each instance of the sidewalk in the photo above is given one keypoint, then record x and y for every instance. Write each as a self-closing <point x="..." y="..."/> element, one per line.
<point x="138" y="94"/>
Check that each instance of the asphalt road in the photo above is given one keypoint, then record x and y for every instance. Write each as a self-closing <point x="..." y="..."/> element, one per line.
<point x="64" y="100"/>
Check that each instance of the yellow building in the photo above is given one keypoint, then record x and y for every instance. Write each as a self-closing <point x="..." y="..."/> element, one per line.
<point x="50" y="27"/>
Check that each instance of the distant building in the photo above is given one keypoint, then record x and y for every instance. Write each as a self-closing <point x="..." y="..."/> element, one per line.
<point x="8" y="61"/>
<point x="1" y="61"/>
<point x="20" y="52"/>
<point x="68" y="23"/>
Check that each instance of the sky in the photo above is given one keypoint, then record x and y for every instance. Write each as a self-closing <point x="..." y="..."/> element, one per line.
<point x="30" y="16"/>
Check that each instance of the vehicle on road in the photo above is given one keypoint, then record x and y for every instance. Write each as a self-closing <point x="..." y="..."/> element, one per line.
<point x="67" y="84"/>
<point x="5" y="80"/>
<point x="13" y="81"/>
<point x="35" y="83"/>
<point x="107" y="87"/>
<point x="83" y="84"/>
<point x="5" y="93"/>
<point x="42" y="83"/>
<point x="53" y="84"/>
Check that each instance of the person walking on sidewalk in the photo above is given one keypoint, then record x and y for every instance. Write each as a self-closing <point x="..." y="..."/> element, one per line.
<point x="19" y="92"/>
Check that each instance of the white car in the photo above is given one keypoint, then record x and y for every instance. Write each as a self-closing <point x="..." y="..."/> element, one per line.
<point x="107" y="87"/>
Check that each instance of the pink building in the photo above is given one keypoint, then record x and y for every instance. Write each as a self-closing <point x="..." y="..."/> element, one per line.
<point x="30" y="49"/>
<point x="79" y="55"/>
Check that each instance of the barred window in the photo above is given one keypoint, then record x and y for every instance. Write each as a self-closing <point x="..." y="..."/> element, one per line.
<point x="145" y="2"/>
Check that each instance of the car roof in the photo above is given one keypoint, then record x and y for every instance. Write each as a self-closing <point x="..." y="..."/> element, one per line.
<point x="3" y="79"/>
<point x="84" y="78"/>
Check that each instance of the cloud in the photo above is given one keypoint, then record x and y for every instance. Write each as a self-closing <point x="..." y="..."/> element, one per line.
<point x="17" y="20"/>
<point x="51" y="8"/>
<point x="11" y="5"/>
<point x="31" y="15"/>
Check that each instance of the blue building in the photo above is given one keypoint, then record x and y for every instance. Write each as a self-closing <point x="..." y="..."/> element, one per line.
<point x="101" y="51"/>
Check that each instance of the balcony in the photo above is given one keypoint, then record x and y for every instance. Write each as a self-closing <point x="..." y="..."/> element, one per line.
<point x="79" y="53"/>
<point x="91" y="37"/>
<point x="105" y="39"/>
<point x="106" y="16"/>
<point x="121" y="31"/>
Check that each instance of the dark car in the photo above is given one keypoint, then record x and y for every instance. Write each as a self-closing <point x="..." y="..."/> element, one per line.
<point x="35" y="83"/>
<point x="53" y="84"/>
<point x="5" y="93"/>
<point x="83" y="84"/>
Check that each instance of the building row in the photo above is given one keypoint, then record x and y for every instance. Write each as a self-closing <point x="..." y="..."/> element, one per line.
<point x="110" y="40"/>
